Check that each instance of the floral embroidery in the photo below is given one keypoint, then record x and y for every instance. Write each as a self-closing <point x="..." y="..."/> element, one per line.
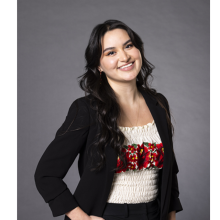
<point x="144" y="156"/>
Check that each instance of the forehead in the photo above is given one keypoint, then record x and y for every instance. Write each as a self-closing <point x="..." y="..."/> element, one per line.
<point x="114" y="38"/>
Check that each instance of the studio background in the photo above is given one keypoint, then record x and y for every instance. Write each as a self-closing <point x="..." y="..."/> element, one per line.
<point x="52" y="38"/>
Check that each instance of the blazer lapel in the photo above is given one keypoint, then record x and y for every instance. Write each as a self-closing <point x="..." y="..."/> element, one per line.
<point x="159" y="116"/>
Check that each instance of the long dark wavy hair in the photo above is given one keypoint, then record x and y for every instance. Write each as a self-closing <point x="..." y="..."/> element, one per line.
<point x="102" y="96"/>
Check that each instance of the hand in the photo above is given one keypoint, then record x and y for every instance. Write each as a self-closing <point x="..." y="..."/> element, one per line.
<point x="79" y="214"/>
<point x="172" y="215"/>
<point x="93" y="217"/>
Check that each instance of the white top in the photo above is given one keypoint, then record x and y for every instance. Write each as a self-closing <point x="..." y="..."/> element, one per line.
<point x="138" y="182"/>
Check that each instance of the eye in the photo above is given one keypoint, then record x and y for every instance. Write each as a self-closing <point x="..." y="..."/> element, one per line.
<point x="110" y="53"/>
<point x="130" y="45"/>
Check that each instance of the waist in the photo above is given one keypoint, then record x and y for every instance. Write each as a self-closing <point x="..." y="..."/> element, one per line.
<point x="131" y="209"/>
<point x="134" y="187"/>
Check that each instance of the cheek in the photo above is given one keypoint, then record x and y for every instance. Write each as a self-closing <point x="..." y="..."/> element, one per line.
<point x="137" y="54"/>
<point x="109" y="64"/>
<point x="137" y="57"/>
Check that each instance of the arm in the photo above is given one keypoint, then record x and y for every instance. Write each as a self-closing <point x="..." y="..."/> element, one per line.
<point x="175" y="204"/>
<point x="58" y="157"/>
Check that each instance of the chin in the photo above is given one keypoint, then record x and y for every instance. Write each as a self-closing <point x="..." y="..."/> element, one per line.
<point x="131" y="78"/>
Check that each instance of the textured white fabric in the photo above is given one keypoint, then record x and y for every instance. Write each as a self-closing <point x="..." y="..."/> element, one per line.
<point x="141" y="185"/>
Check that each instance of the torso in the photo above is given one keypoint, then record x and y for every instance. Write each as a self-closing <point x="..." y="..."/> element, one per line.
<point x="131" y="115"/>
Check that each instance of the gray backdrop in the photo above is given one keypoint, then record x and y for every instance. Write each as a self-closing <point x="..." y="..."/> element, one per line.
<point x="52" y="37"/>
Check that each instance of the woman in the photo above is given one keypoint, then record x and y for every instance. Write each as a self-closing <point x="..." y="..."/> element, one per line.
<point x="122" y="132"/>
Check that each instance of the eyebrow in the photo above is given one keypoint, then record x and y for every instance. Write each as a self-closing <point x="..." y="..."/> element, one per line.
<point x="110" y="48"/>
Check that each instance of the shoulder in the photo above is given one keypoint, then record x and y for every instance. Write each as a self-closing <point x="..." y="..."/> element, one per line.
<point x="77" y="117"/>
<point x="164" y="101"/>
<point x="82" y="108"/>
<point x="79" y="110"/>
<point x="81" y="103"/>
<point x="84" y="100"/>
<point x="162" y="98"/>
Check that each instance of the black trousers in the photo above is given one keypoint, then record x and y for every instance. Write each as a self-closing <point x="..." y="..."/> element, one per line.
<point x="140" y="211"/>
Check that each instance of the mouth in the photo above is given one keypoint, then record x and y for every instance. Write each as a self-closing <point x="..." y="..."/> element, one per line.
<point x="126" y="65"/>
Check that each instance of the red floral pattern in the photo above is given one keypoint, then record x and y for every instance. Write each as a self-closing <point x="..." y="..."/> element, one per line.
<point x="144" y="156"/>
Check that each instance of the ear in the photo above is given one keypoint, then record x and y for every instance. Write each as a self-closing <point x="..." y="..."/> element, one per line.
<point x="100" y="69"/>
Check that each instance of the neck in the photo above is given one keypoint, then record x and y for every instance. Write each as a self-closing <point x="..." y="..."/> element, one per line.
<point x="126" y="93"/>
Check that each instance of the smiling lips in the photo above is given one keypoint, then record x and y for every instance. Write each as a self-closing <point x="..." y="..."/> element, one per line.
<point x="127" y="66"/>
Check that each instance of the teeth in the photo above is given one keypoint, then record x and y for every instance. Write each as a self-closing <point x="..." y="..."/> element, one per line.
<point x="126" y="66"/>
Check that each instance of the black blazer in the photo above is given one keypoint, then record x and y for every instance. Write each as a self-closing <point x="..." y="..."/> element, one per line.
<point x="75" y="136"/>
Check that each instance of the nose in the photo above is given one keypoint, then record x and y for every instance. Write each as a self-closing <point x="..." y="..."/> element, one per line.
<point x="124" y="57"/>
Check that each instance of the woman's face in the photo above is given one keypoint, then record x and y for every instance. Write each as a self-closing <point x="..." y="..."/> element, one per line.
<point x="118" y="51"/>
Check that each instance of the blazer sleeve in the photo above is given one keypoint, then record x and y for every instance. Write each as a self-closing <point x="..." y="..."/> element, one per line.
<point x="175" y="204"/>
<point x="58" y="157"/>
